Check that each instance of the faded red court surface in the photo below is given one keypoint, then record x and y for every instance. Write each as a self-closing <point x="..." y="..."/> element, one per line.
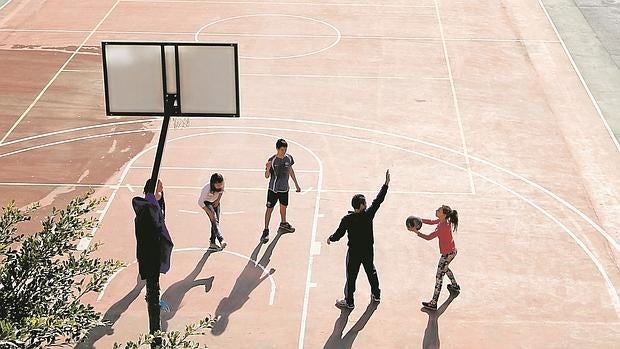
<point x="471" y="104"/>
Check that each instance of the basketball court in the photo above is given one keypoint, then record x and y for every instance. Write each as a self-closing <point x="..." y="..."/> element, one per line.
<point x="475" y="105"/>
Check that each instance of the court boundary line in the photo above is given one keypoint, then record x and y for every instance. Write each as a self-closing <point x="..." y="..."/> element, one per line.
<point x="583" y="82"/>
<point x="4" y="5"/>
<point x="57" y="74"/>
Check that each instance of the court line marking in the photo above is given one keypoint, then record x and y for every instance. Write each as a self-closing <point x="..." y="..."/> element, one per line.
<point x="537" y="186"/>
<point x="197" y="187"/>
<point x="317" y="36"/>
<point x="55" y="76"/>
<point x="198" y="168"/>
<point x="280" y="3"/>
<point x="338" y="34"/>
<point x="609" y="285"/>
<point x="310" y="76"/>
<point x="272" y="294"/>
<point x="454" y="98"/>
<point x="583" y="82"/>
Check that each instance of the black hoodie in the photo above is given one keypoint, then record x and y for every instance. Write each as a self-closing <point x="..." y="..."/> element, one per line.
<point x="153" y="248"/>
<point x="359" y="226"/>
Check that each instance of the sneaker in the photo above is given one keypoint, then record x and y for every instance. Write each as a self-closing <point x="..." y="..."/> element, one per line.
<point x="223" y="244"/>
<point x="430" y="305"/>
<point x="214" y="247"/>
<point x="454" y="288"/>
<point x="375" y="299"/>
<point x="265" y="237"/>
<point x="287" y="227"/>
<point x="342" y="304"/>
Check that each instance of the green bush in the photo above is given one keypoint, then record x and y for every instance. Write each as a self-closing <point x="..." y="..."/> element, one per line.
<point x="173" y="339"/>
<point x="43" y="277"/>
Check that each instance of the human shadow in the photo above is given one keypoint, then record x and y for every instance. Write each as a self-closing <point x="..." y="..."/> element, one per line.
<point x="111" y="316"/>
<point x="336" y="340"/>
<point x="431" y="334"/>
<point x="247" y="281"/>
<point x="175" y="293"/>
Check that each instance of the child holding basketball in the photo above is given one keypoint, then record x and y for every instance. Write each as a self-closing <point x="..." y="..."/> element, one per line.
<point x="447" y="221"/>
<point x="209" y="201"/>
<point x="278" y="169"/>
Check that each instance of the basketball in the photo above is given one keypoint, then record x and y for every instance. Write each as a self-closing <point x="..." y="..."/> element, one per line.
<point x="413" y="221"/>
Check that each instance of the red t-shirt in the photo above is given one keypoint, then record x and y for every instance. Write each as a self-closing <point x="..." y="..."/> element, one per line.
<point x="444" y="232"/>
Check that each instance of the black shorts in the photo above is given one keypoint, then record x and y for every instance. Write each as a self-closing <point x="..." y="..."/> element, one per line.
<point x="273" y="198"/>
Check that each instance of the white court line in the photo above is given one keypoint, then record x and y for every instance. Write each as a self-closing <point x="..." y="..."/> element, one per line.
<point x="130" y="187"/>
<point x="232" y="213"/>
<point x="58" y="73"/>
<point x="272" y="294"/>
<point x="77" y="129"/>
<point x="609" y="285"/>
<point x="280" y="3"/>
<point x="6" y="3"/>
<point x="197" y="168"/>
<point x="583" y="82"/>
<point x="352" y="37"/>
<point x="454" y="98"/>
<point x="228" y="188"/>
<point x="188" y="211"/>
<point x="338" y="34"/>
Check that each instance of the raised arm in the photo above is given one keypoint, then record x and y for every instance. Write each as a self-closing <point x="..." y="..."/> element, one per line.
<point x="372" y="210"/>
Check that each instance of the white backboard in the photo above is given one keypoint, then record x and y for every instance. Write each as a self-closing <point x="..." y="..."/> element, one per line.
<point x="202" y="77"/>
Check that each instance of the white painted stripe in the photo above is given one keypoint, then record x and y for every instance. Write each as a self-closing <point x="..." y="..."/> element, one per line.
<point x="130" y="187"/>
<point x="171" y="186"/>
<point x="47" y="86"/>
<point x="455" y="99"/>
<point x="181" y="168"/>
<point x="188" y="211"/>
<point x="280" y="3"/>
<point x="583" y="82"/>
<point x="233" y="212"/>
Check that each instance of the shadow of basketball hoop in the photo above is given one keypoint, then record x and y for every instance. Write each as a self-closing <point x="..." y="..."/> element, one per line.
<point x="174" y="294"/>
<point x="249" y="279"/>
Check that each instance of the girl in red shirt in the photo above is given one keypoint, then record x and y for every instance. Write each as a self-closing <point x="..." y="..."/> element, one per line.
<point x="448" y="221"/>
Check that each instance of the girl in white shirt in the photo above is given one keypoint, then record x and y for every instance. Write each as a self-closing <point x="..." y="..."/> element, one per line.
<point x="209" y="201"/>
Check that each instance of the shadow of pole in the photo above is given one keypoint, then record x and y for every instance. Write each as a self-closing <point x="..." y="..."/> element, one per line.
<point x="249" y="279"/>
<point x="431" y="334"/>
<point x="111" y="316"/>
<point x="174" y="294"/>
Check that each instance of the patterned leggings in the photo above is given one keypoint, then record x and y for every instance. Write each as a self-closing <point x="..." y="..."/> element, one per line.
<point x="442" y="269"/>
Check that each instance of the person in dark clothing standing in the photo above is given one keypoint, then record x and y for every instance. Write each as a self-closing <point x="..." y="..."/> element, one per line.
<point x="358" y="224"/>
<point x="153" y="249"/>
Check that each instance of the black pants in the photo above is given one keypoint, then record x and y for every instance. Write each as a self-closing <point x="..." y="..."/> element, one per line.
<point x="354" y="259"/>
<point x="152" y="302"/>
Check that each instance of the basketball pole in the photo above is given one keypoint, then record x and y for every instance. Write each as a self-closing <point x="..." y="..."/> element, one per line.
<point x="168" y="107"/>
